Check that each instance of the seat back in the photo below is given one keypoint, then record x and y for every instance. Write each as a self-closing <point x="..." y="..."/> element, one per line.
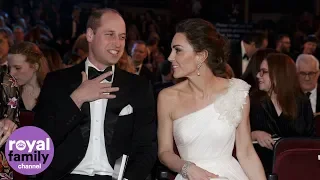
<point x="26" y="118"/>
<point x="297" y="158"/>
<point x="317" y="124"/>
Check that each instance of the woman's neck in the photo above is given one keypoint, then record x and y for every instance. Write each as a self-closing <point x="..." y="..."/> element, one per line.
<point x="202" y="85"/>
<point x="273" y="96"/>
<point x="32" y="84"/>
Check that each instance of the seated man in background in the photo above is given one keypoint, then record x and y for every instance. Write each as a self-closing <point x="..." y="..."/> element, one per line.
<point x="308" y="72"/>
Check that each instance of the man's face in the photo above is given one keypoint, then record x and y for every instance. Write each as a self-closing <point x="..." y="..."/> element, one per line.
<point x="285" y="44"/>
<point x="308" y="76"/>
<point x="309" y="47"/>
<point x="139" y="53"/>
<point x="107" y="42"/>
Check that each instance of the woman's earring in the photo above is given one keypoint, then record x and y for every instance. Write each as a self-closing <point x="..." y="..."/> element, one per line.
<point x="198" y="69"/>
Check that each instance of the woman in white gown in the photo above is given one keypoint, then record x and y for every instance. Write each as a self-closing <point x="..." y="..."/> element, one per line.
<point x="205" y="114"/>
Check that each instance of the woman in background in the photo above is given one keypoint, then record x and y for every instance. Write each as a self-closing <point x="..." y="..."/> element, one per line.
<point x="9" y="117"/>
<point x="28" y="65"/>
<point x="282" y="110"/>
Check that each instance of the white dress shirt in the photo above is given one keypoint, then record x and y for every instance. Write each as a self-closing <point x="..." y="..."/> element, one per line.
<point x="138" y="72"/>
<point x="245" y="62"/>
<point x="96" y="159"/>
<point x="313" y="99"/>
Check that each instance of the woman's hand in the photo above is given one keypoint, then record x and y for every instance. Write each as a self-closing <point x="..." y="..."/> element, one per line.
<point x="7" y="126"/>
<point x="197" y="173"/>
<point x="264" y="139"/>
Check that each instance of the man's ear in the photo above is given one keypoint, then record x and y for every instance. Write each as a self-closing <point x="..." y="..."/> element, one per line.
<point x="89" y="34"/>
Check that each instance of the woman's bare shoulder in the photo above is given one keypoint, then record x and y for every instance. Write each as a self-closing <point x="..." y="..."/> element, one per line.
<point x="171" y="94"/>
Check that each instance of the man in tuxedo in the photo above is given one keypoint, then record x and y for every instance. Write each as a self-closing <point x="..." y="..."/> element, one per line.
<point x="308" y="71"/>
<point x="139" y="53"/>
<point x="242" y="52"/>
<point x="94" y="119"/>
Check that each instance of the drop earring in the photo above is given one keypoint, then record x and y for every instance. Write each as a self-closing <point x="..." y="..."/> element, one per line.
<point x="198" y="69"/>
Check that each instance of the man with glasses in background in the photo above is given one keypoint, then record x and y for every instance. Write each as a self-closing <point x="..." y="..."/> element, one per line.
<point x="308" y="72"/>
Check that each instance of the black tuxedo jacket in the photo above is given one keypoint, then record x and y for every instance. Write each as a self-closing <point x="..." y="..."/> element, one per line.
<point x="69" y="127"/>
<point x="235" y="59"/>
<point x="146" y="73"/>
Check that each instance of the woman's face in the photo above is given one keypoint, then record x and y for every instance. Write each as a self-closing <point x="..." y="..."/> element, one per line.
<point x="21" y="69"/>
<point x="263" y="77"/>
<point x="183" y="57"/>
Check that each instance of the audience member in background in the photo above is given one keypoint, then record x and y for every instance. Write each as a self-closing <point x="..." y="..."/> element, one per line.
<point x="250" y="75"/>
<point x="308" y="72"/>
<point x="18" y="33"/>
<point x="310" y="45"/>
<point x="28" y="65"/>
<point x="9" y="117"/>
<point x="52" y="56"/>
<point x="283" y="44"/>
<point x="282" y="111"/>
<point x="81" y="46"/>
<point x="242" y="52"/>
<point x="125" y="63"/>
<point x="6" y="41"/>
<point x="139" y="53"/>
<point x="71" y="58"/>
<point x="167" y="79"/>
<point x="133" y="35"/>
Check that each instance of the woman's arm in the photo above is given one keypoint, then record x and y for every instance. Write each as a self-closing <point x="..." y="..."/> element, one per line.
<point x="10" y="94"/>
<point x="166" y="153"/>
<point x="246" y="154"/>
<point x="165" y="142"/>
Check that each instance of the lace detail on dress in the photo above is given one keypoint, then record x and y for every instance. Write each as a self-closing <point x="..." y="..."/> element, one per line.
<point x="230" y="106"/>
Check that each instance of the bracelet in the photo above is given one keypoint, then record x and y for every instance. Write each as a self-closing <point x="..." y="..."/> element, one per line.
<point x="184" y="169"/>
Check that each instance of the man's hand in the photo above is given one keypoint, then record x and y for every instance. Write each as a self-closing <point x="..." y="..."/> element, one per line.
<point x="91" y="90"/>
<point x="7" y="126"/>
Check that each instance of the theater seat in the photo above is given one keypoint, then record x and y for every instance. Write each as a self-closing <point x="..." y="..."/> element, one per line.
<point x="26" y="118"/>
<point x="297" y="158"/>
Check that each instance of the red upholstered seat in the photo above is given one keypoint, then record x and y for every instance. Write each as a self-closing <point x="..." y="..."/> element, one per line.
<point x="297" y="158"/>
<point x="317" y="123"/>
<point x="26" y="118"/>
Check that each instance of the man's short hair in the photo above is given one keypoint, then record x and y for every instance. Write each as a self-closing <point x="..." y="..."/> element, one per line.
<point x="307" y="57"/>
<point x="256" y="37"/>
<point x="281" y="36"/>
<point x="94" y="20"/>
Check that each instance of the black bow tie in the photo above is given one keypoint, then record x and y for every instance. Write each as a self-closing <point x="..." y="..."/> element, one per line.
<point x="308" y="94"/>
<point x="137" y="69"/>
<point x="93" y="73"/>
<point x="245" y="57"/>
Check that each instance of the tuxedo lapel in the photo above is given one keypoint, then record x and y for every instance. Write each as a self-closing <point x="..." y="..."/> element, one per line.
<point x="115" y="105"/>
<point x="75" y="80"/>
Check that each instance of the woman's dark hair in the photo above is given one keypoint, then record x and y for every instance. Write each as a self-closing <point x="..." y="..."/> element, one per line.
<point x="202" y="35"/>
<point x="254" y="66"/>
<point x="284" y="82"/>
